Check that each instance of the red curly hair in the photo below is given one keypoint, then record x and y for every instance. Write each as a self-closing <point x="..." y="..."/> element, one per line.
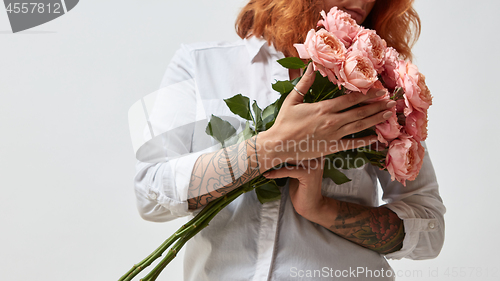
<point x="285" y="22"/>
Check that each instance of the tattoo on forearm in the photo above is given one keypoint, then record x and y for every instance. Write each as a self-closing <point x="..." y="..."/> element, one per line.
<point x="217" y="173"/>
<point x="378" y="229"/>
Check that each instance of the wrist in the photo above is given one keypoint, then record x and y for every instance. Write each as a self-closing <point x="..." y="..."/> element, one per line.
<point x="324" y="214"/>
<point x="266" y="149"/>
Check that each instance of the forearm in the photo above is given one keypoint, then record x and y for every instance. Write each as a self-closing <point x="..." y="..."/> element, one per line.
<point x="375" y="228"/>
<point x="217" y="173"/>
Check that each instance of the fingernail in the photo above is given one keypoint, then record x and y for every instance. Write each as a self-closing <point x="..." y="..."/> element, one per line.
<point x="391" y="104"/>
<point x="380" y="93"/>
<point x="387" y="114"/>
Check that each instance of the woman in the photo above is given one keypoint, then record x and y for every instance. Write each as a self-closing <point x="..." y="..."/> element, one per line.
<point x="317" y="229"/>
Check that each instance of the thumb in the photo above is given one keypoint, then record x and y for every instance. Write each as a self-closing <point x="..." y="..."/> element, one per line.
<point x="303" y="86"/>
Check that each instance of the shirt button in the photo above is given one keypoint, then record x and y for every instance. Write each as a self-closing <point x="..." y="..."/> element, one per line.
<point x="153" y="195"/>
<point x="432" y="225"/>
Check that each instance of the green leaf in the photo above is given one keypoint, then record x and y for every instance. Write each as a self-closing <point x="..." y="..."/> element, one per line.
<point x="248" y="132"/>
<point x="337" y="176"/>
<point x="258" y="117"/>
<point x="375" y="159"/>
<point x="292" y="63"/>
<point x="360" y="160"/>
<point x="336" y="160"/>
<point x="240" y="105"/>
<point x="283" y="87"/>
<point x="269" y="124"/>
<point x="268" y="192"/>
<point x="281" y="182"/>
<point x="320" y="84"/>
<point x="381" y="153"/>
<point x="280" y="101"/>
<point x="269" y="113"/>
<point x="323" y="89"/>
<point x="219" y="129"/>
<point x="296" y="80"/>
<point x="269" y="116"/>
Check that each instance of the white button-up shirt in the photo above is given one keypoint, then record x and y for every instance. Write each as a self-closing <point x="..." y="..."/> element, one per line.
<point x="252" y="241"/>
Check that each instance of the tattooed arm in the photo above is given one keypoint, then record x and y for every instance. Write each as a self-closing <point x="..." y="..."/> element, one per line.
<point x="375" y="228"/>
<point x="217" y="173"/>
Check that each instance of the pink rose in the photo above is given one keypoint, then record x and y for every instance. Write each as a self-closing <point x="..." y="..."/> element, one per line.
<point x="409" y="79"/>
<point x="404" y="158"/>
<point x="411" y="95"/>
<point x="416" y="125"/>
<point x="400" y="105"/>
<point x="415" y="99"/>
<point x="388" y="130"/>
<point x="357" y="73"/>
<point x="389" y="75"/>
<point x="425" y="94"/>
<point x="372" y="46"/>
<point x="407" y="68"/>
<point x="341" y="25"/>
<point x="326" y="52"/>
<point x="418" y="98"/>
<point x="378" y="85"/>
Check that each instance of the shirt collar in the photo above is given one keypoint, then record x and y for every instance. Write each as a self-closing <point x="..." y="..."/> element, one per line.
<point x="255" y="45"/>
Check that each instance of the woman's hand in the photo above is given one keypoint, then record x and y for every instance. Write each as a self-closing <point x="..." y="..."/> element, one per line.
<point x="304" y="187"/>
<point x="345" y="219"/>
<point x="312" y="130"/>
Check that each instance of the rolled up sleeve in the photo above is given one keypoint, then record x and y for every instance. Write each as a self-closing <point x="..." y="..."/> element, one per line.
<point x="162" y="189"/>
<point x="161" y="186"/>
<point x="421" y="208"/>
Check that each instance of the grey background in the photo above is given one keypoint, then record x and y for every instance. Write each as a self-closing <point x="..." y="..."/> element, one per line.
<point x="67" y="206"/>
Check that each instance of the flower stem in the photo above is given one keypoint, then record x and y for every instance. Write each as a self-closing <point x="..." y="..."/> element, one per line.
<point x="186" y="228"/>
<point x="136" y="269"/>
<point x="261" y="181"/>
<point x="222" y="203"/>
<point x="184" y="233"/>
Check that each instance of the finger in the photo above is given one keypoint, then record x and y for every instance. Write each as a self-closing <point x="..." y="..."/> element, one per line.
<point x="313" y="163"/>
<point x="296" y="172"/>
<point x="301" y="170"/>
<point x="348" y="100"/>
<point x="362" y="124"/>
<point x="303" y="86"/>
<point x="365" y="111"/>
<point x="349" y="144"/>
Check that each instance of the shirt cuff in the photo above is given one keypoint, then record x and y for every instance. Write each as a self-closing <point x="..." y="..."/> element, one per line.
<point x="182" y="170"/>
<point x="414" y="227"/>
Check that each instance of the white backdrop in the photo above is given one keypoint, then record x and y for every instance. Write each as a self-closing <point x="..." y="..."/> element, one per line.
<point x="67" y="206"/>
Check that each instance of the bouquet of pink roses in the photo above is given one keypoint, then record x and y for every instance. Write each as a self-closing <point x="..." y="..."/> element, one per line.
<point x="347" y="57"/>
<point x="358" y="59"/>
